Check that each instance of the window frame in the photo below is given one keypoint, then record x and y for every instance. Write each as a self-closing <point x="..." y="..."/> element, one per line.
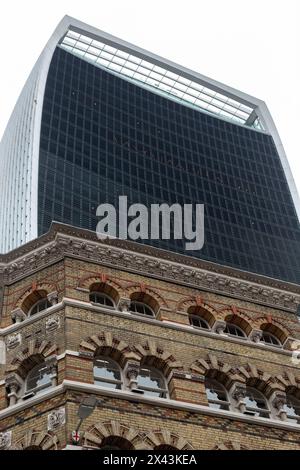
<point x="236" y="327"/>
<point x="145" y="306"/>
<point x="117" y="382"/>
<point x="296" y="417"/>
<point x="38" y="388"/>
<point x="194" y="316"/>
<point x="103" y="295"/>
<point x="163" y="391"/>
<point x="258" y="412"/>
<point x="37" y="303"/>
<point x="278" y="343"/>
<point x="227" y="403"/>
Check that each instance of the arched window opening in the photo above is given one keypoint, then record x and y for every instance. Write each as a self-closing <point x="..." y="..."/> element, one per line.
<point x="292" y="408"/>
<point x="165" y="447"/>
<point x="217" y="395"/>
<point x="152" y="382"/>
<point x="102" y="299"/>
<point x="107" y="373"/>
<point x="198" y="322"/>
<point x="256" y="403"/>
<point x="116" y="443"/>
<point x="270" y="339"/>
<point x="38" y="379"/>
<point x="234" y="330"/>
<point x="141" y="309"/>
<point x="104" y="294"/>
<point x="272" y="335"/>
<point x="199" y="317"/>
<point x="39" y="306"/>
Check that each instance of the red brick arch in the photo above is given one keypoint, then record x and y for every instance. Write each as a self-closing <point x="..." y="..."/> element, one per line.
<point x="140" y="290"/>
<point x="43" y="287"/>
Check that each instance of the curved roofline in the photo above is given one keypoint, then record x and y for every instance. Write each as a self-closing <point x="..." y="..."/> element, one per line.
<point x="259" y="106"/>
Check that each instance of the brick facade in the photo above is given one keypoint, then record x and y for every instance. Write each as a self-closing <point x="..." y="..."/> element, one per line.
<point x="72" y="331"/>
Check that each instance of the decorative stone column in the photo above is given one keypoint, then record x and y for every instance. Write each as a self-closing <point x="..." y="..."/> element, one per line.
<point x="256" y="336"/>
<point x="239" y="393"/>
<point x="132" y="370"/>
<point x="278" y="401"/>
<point x="219" y="327"/>
<point x="52" y="298"/>
<point x="18" y="315"/>
<point x="124" y="304"/>
<point x="13" y="384"/>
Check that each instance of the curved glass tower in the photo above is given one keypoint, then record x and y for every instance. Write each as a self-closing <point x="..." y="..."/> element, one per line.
<point x="99" y="118"/>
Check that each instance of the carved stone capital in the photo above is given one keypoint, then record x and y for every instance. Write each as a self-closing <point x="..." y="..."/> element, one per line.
<point x="239" y="393"/>
<point x="132" y="370"/>
<point x="5" y="440"/>
<point x="219" y="327"/>
<point x="56" y="419"/>
<point x="256" y="336"/>
<point x="13" y="383"/>
<point x="52" y="298"/>
<point x="12" y="341"/>
<point x="18" y="315"/>
<point x="278" y="401"/>
<point x="124" y="304"/>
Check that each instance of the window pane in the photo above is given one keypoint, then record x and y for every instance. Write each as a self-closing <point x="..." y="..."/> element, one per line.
<point x="38" y="377"/>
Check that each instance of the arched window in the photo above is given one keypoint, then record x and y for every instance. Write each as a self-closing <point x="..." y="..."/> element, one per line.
<point x="116" y="443"/>
<point x="102" y="299"/>
<point x="152" y="382"/>
<point x="38" y="379"/>
<point x="216" y="394"/>
<point x="39" y="306"/>
<point x="234" y="330"/>
<point x="198" y="322"/>
<point x="141" y="308"/>
<point x="256" y="403"/>
<point x="107" y="373"/>
<point x="269" y="338"/>
<point x="292" y="408"/>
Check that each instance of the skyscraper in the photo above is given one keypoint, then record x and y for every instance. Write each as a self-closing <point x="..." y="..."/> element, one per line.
<point x="99" y="118"/>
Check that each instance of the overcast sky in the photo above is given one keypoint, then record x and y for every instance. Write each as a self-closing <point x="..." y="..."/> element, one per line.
<point x="253" y="46"/>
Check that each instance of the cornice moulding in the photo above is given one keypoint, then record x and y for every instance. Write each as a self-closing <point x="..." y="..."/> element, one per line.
<point x="66" y="241"/>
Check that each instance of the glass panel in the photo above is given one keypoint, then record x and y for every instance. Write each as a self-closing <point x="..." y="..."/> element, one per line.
<point x="151" y="382"/>
<point x="107" y="373"/>
<point x="292" y="407"/>
<point x="40" y="306"/>
<point x="234" y="330"/>
<point x="198" y="322"/>
<point x="38" y="377"/>
<point x="138" y="307"/>
<point x="181" y="87"/>
<point x="270" y="339"/>
<point x="216" y="395"/>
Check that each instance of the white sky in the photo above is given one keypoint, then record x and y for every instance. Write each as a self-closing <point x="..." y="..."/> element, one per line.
<point x="253" y="46"/>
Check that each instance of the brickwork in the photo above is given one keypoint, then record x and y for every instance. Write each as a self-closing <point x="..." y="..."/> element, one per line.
<point x="71" y="332"/>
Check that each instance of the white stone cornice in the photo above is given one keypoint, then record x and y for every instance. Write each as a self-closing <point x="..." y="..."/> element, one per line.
<point x="130" y="396"/>
<point x="148" y="261"/>
<point x="142" y="319"/>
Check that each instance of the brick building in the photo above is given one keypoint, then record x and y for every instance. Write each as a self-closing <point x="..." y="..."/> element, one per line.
<point x="178" y="352"/>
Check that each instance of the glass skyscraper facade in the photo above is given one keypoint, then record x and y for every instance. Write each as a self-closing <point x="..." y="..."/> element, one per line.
<point x="105" y="133"/>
